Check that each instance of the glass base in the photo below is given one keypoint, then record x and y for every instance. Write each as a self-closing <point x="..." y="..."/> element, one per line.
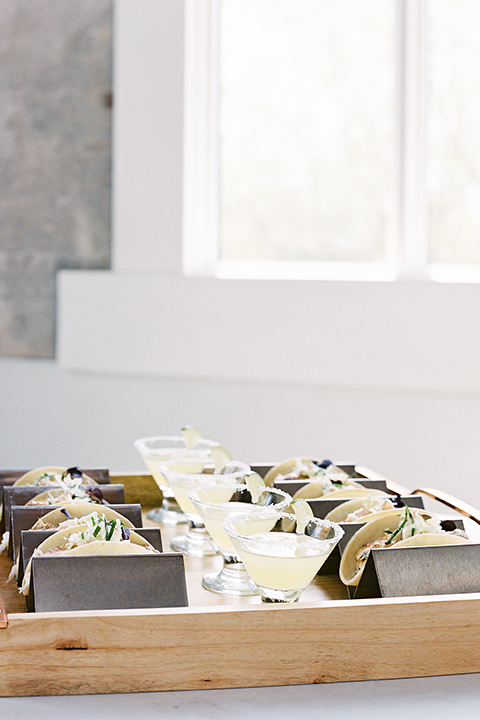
<point x="168" y="513"/>
<point x="196" y="542"/>
<point x="279" y="596"/>
<point x="232" y="580"/>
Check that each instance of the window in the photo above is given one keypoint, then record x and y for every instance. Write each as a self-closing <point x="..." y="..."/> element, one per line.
<point x="386" y="336"/>
<point x="333" y="139"/>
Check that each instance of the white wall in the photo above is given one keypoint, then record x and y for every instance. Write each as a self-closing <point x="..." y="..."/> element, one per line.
<point x="55" y="416"/>
<point x="380" y="374"/>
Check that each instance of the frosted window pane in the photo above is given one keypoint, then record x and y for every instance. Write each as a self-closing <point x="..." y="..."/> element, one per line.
<point x="453" y="167"/>
<point x="306" y="129"/>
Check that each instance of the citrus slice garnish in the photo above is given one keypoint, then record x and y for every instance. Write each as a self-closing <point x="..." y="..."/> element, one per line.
<point x="220" y="457"/>
<point x="190" y="435"/>
<point x="303" y="513"/>
<point x="255" y="484"/>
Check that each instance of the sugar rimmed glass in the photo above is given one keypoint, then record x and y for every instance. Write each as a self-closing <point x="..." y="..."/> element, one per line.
<point x="280" y="561"/>
<point x="184" y="475"/>
<point x="214" y="504"/>
<point x="158" y="449"/>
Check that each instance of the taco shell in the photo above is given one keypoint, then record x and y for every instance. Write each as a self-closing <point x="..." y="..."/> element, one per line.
<point x="283" y="469"/>
<point x="314" y="490"/>
<point x="101" y="547"/>
<point x="79" y="510"/>
<point x="30" y="477"/>
<point x="53" y="492"/>
<point x="135" y="544"/>
<point x="59" y="538"/>
<point x="341" y="512"/>
<point x="350" y="574"/>
<point x="431" y="539"/>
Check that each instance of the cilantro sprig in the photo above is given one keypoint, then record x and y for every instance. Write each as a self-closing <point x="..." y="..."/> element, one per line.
<point x="408" y="516"/>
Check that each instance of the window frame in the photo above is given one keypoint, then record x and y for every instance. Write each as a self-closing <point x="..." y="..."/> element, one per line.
<point x="407" y="247"/>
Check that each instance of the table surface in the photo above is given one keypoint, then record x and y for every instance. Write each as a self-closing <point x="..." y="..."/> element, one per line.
<point x="416" y="699"/>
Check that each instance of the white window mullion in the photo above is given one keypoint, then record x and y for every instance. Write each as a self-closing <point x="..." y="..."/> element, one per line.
<point x="201" y="165"/>
<point x="413" y="225"/>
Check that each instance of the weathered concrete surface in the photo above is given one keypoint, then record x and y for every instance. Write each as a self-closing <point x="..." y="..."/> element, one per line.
<point x="55" y="157"/>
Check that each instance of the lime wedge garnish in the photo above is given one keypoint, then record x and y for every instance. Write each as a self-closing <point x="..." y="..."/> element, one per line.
<point x="220" y="457"/>
<point x="255" y="484"/>
<point x="191" y="435"/>
<point x="303" y="513"/>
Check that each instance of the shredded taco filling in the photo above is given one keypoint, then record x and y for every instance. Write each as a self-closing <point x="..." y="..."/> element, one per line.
<point x="372" y="504"/>
<point x="331" y="477"/>
<point x="75" y="494"/>
<point x="93" y="518"/>
<point x="98" y="528"/>
<point x="414" y="522"/>
<point x="71" y="478"/>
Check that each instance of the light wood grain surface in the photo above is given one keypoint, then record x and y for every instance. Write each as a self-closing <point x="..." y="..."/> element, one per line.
<point x="226" y="643"/>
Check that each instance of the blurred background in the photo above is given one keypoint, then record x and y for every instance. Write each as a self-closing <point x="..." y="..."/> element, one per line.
<point x="102" y="339"/>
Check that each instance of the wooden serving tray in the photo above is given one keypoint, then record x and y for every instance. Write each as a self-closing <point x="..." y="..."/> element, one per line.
<point x="225" y="642"/>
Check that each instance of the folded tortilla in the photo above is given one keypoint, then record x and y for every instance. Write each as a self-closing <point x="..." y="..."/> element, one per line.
<point x="377" y="531"/>
<point x="32" y="476"/>
<point x="54" y="545"/>
<point x="284" y="468"/>
<point x="59" y="496"/>
<point x="102" y="547"/>
<point x="341" y="512"/>
<point x="78" y="510"/>
<point x="314" y="490"/>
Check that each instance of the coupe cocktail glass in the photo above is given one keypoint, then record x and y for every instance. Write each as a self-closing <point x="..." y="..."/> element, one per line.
<point x="214" y="504"/>
<point x="185" y="475"/>
<point x="159" y="449"/>
<point x="280" y="561"/>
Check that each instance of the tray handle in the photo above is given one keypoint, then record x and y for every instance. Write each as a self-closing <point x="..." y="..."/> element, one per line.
<point x="462" y="507"/>
<point x="3" y="615"/>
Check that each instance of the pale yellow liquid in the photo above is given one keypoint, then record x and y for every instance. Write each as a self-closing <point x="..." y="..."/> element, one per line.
<point x="276" y="564"/>
<point x="181" y="496"/>
<point x="152" y="463"/>
<point x="184" y="488"/>
<point x="214" y="525"/>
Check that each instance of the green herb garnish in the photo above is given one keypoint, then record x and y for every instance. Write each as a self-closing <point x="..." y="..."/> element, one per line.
<point x="112" y="525"/>
<point x="408" y="516"/>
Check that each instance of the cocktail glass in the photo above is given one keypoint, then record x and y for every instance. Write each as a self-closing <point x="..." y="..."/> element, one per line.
<point x="280" y="561"/>
<point x="185" y="475"/>
<point x="159" y="449"/>
<point x="214" y="504"/>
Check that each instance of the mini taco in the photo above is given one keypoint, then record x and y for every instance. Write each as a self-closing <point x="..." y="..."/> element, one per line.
<point x="55" y="476"/>
<point x="97" y="535"/>
<point x="319" y="489"/>
<point x="59" y="496"/>
<point x="300" y="468"/>
<point x="363" y="509"/>
<point x="399" y="528"/>
<point x="65" y="479"/>
<point x="75" y="514"/>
